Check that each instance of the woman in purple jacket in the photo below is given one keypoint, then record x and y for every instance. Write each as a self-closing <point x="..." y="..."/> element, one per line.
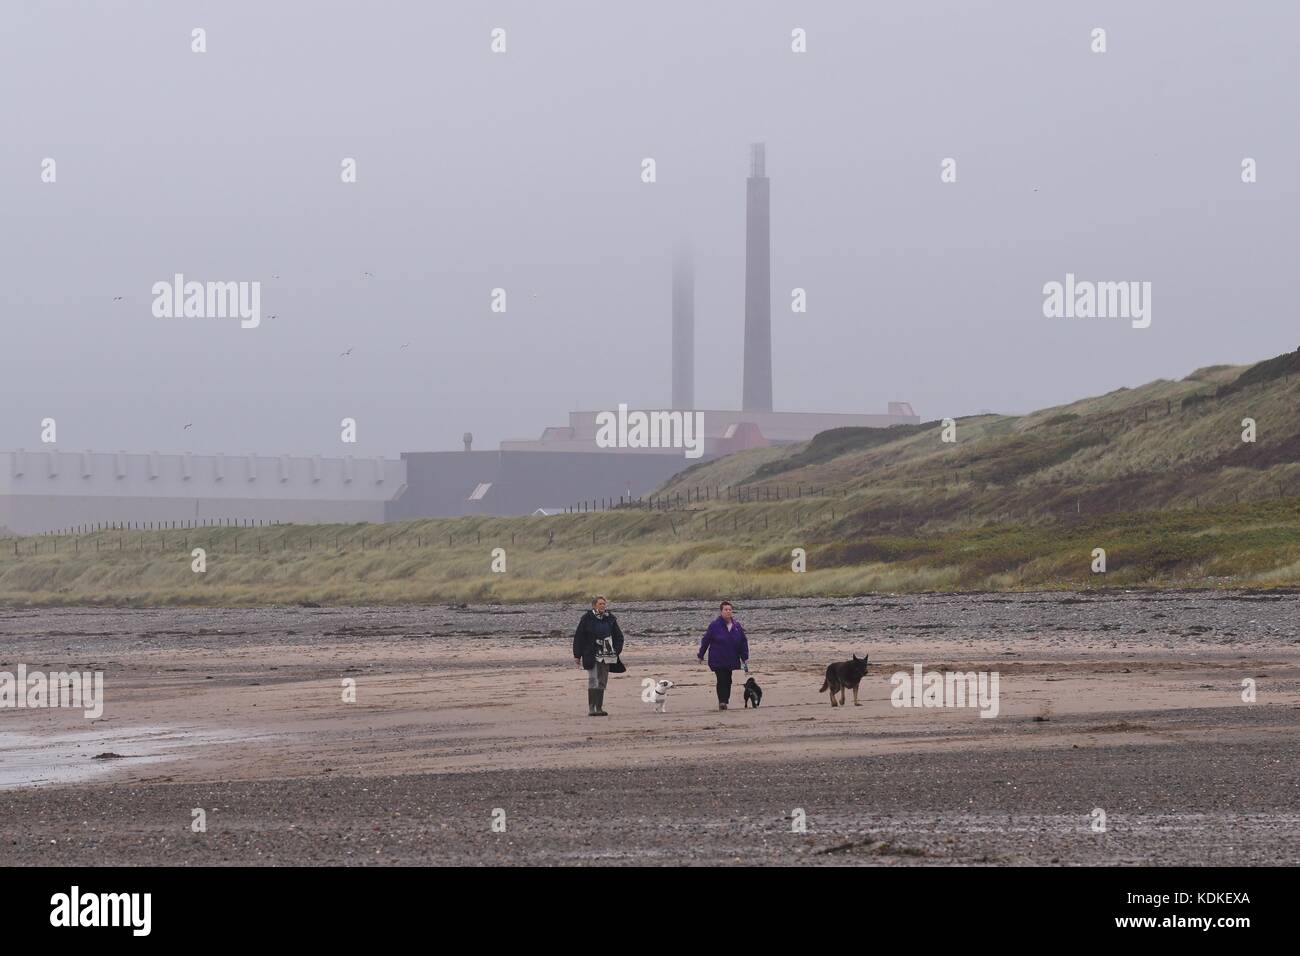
<point x="728" y="649"/>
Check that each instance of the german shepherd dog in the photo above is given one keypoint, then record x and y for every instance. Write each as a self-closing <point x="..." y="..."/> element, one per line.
<point x="753" y="693"/>
<point x="842" y="675"/>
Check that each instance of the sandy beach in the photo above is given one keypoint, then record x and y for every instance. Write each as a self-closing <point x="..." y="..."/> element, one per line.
<point x="469" y="716"/>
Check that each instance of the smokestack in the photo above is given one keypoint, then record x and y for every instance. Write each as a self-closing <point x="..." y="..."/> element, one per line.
<point x="757" y="387"/>
<point x="683" y="327"/>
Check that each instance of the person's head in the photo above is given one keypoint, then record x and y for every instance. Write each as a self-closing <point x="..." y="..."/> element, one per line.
<point x="726" y="610"/>
<point x="598" y="604"/>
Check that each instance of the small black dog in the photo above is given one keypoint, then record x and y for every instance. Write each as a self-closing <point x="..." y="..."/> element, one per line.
<point x="753" y="693"/>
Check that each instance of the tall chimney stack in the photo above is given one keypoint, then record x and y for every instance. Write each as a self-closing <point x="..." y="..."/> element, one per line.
<point x="757" y="387"/>
<point x="683" y="327"/>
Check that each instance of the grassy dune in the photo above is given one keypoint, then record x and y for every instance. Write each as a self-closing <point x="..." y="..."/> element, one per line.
<point x="1158" y="476"/>
<point x="654" y="556"/>
<point x="1166" y="444"/>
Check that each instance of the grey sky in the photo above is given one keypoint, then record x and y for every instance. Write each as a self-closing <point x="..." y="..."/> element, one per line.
<point x="522" y="171"/>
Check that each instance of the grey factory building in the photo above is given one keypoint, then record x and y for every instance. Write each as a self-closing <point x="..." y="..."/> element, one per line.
<point x="568" y="464"/>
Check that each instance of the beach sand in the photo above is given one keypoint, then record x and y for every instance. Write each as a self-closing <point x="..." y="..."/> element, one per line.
<point x="465" y="717"/>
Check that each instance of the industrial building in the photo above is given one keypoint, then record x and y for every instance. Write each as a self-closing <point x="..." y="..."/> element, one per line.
<point x="54" y="490"/>
<point x="567" y="464"/>
<point x="50" y="490"/>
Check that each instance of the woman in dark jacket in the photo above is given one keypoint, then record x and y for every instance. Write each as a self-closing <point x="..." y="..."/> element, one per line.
<point x="596" y="643"/>
<point x="728" y="650"/>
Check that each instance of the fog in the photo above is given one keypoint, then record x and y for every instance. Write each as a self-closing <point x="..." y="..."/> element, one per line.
<point x="522" y="170"/>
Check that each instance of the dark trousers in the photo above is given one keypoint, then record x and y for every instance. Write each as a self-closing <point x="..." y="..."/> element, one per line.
<point x="724" y="684"/>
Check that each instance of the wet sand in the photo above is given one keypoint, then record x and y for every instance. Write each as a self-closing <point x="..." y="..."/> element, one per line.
<point x="1128" y="703"/>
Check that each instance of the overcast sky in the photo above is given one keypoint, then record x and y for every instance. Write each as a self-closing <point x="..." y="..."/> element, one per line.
<point x="522" y="170"/>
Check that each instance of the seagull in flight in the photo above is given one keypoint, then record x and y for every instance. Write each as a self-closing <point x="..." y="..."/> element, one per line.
<point x="347" y="353"/>
<point x="118" y="298"/>
<point x="404" y="346"/>
<point x="187" y="427"/>
<point x="367" y="275"/>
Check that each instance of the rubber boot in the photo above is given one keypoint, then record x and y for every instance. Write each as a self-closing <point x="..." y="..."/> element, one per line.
<point x="600" y="703"/>
<point x="591" y="702"/>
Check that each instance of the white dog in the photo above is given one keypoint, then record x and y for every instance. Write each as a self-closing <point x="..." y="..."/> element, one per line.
<point x="661" y="695"/>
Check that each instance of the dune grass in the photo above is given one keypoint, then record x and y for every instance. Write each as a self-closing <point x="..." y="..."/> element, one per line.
<point x="641" y="556"/>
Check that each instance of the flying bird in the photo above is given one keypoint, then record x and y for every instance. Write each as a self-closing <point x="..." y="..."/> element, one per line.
<point x="367" y="275"/>
<point x="118" y="298"/>
<point x="347" y="353"/>
<point x="404" y="346"/>
<point x="186" y="428"/>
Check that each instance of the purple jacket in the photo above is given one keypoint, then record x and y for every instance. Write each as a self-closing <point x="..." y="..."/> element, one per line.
<point x="726" y="648"/>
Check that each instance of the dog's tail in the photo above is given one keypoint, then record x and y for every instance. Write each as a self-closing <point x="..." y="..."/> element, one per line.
<point x="825" y="684"/>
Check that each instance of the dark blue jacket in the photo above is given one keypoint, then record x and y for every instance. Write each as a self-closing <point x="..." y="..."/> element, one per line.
<point x="727" y="649"/>
<point x="590" y="629"/>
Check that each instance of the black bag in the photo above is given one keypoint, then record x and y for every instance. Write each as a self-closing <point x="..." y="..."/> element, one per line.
<point x="618" y="667"/>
